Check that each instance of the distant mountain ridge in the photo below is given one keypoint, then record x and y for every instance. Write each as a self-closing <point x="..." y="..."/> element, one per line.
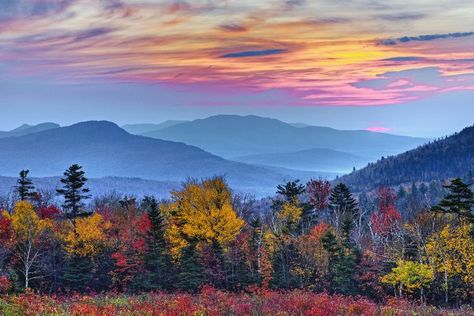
<point x="232" y="136"/>
<point x="442" y="159"/>
<point x="320" y="159"/>
<point x="105" y="150"/>
<point x="26" y="129"/>
<point x="139" y="129"/>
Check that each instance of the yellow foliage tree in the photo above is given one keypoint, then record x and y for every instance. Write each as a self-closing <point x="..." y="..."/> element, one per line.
<point x="409" y="276"/>
<point x="89" y="236"/>
<point x="202" y="211"/>
<point x="452" y="253"/>
<point x="29" y="231"/>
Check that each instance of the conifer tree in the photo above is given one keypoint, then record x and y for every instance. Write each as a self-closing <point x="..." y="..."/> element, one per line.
<point x="191" y="271"/>
<point x="157" y="260"/>
<point x="459" y="201"/>
<point x="343" y="207"/>
<point x="25" y="186"/>
<point x="74" y="192"/>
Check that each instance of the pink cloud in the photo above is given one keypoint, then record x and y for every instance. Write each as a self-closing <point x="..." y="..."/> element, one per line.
<point x="378" y="129"/>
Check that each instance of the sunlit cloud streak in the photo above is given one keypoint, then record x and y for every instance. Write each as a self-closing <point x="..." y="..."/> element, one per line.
<point x="354" y="54"/>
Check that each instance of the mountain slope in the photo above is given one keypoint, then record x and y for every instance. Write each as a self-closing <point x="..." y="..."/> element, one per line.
<point x="442" y="159"/>
<point x="104" y="150"/>
<point x="232" y="136"/>
<point x="321" y="159"/>
<point x="26" y="129"/>
<point x="139" y="129"/>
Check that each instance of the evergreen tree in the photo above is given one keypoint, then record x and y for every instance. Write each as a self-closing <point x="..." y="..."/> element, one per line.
<point x="74" y="192"/>
<point x="157" y="260"/>
<point x="291" y="190"/>
<point x="459" y="201"/>
<point x="343" y="207"/>
<point x="78" y="273"/>
<point x="343" y="260"/>
<point x="25" y="186"/>
<point x="191" y="272"/>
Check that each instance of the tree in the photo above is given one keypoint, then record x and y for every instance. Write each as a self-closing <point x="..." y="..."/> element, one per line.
<point x="318" y="194"/>
<point x="343" y="260"/>
<point x="25" y="186"/>
<point x="157" y="261"/>
<point x="74" y="192"/>
<point x="29" y="237"/>
<point x="343" y="208"/>
<point x="290" y="190"/>
<point x="459" y="201"/>
<point x="409" y="276"/>
<point x="203" y="211"/>
<point x="451" y="252"/>
<point x="191" y="271"/>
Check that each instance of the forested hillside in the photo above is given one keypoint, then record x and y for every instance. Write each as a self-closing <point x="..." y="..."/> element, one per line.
<point x="445" y="158"/>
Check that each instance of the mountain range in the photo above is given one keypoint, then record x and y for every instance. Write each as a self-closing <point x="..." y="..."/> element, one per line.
<point x="104" y="149"/>
<point x="442" y="159"/>
<point x="234" y="137"/>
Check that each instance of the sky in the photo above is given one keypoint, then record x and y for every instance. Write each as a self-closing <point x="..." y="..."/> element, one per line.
<point x="388" y="66"/>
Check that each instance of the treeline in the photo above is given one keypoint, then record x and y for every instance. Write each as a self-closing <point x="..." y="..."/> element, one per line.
<point x="438" y="160"/>
<point x="315" y="236"/>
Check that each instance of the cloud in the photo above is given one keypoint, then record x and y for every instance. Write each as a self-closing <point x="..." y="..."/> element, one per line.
<point x="378" y="129"/>
<point x="92" y="33"/>
<point x="404" y="58"/>
<point x="255" y="53"/>
<point x="233" y="27"/>
<point x="429" y="37"/>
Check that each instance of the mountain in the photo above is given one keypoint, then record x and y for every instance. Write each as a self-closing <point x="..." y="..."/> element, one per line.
<point x="439" y="160"/>
<point x="234" y="136"/>
<point x="316" y="159"/>
<point x="138" y="129"/>
<point x="26" y="129"/>
<point x="104" y="149"/>
<point x="299" y="125"/>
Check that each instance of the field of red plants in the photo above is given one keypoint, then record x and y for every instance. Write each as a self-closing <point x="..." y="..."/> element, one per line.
<point x="211" y="302"/>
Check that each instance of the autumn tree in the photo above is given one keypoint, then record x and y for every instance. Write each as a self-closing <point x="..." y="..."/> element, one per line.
<point x="451" y="252"/>
<point x="29" y="238"/>
<point x="409" y="276"/>
<point x="318" y="194"/>
<point x="74" y="192"/>
<point x="202" y="212"/>
<point x="25" y="187"/>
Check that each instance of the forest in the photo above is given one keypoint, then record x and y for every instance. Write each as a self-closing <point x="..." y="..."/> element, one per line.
<point x="312" y="249"/>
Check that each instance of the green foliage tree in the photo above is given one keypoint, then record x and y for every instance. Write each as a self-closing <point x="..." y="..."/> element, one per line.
<point x="74" y="192"/>
<point x="458" y="201"/>
<point x="191" y="271"/>
<point x="343" y="208"/>
<point x="158" y="261"/>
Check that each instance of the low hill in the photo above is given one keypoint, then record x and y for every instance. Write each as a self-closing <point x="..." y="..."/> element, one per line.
<point x="445" y="158"/>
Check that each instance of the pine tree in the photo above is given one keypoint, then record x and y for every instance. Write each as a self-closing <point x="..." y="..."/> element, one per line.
<point x="157" y="259"/>
<point x="25" y="186"/>
<point x="77" y="273"/>
<point x="74" y="192"/>
<point x="459" y="201"/>
<point x="291" y="190"/>
<point x="343" y="207"/>
<point x="191" y="272"/>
